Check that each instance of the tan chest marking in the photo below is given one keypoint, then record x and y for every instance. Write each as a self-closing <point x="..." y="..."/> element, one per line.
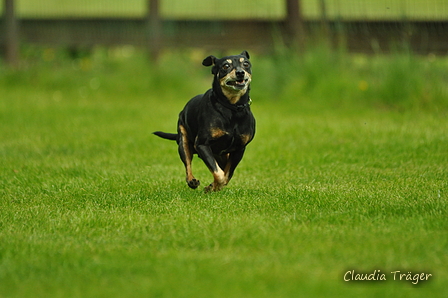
<point x="245" y="139"/>
<point x="217" y="132"/>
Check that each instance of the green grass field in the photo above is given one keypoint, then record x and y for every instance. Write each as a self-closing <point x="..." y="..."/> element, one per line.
<point x="234" y="9"/>
<point x="340" y="176"/>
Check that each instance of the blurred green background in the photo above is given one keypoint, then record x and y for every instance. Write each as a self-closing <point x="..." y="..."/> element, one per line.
<point x="232" y="9"/>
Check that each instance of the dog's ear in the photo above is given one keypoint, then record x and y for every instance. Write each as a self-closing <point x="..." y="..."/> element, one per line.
<point x="245" y="53"/>
<point x="209" y="61"/>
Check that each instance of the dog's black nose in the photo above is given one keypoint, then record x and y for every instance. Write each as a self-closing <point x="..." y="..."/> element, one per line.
<point x="239" y="73"/>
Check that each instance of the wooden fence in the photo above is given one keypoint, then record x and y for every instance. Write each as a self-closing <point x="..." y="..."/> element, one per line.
<point x="156" y="33"/>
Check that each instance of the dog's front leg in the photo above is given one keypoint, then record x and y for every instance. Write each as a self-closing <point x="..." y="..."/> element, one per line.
<point x="233" y="160"/>
<point x="219" y="176"/>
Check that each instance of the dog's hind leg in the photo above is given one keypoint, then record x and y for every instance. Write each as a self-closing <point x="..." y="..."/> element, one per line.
<point x="186" y="156"/>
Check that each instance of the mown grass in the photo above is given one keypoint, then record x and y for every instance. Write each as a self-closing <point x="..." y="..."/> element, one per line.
<point x="93" y="205"/>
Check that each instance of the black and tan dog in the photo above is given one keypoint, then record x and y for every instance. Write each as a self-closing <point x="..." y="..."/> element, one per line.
<point x="218" y="124"/>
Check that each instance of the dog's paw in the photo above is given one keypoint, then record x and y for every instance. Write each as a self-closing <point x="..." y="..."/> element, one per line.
<point x="194" y="183"/>
<point x="208" y="188"/>
<point x="212" y="187"/>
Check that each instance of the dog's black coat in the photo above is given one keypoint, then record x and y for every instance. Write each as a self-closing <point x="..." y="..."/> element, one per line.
<point x="218" y="124"/>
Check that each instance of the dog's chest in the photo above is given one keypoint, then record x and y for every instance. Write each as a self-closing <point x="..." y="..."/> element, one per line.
<point x="229" y="138"/>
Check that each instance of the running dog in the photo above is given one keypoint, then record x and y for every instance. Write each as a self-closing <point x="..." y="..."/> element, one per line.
<point x="218" y="124"/>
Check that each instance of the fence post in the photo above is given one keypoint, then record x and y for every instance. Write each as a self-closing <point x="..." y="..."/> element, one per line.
<point x="325" y="27"/>
<point x="294" y="22"/>
<point x="154" y="28"/>
<point x="11" y="33"/>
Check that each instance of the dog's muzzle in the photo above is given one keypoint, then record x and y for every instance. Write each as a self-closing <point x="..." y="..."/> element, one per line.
<point x="240" y="82"/>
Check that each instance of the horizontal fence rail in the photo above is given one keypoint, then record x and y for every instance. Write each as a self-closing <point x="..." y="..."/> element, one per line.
<point x="422" y="37"/>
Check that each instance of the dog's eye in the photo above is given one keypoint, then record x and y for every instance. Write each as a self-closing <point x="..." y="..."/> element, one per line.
<point x="246" y="64"/>
<point x="226" y="66"/>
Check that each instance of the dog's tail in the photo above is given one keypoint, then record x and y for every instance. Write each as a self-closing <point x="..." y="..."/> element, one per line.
<point x="165" y="135"/>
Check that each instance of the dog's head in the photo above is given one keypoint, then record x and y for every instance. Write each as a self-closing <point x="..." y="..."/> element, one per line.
<point x="233" y="73"/>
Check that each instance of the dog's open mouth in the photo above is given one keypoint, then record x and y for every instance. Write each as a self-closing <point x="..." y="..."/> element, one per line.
<point x="238" y="84"/>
